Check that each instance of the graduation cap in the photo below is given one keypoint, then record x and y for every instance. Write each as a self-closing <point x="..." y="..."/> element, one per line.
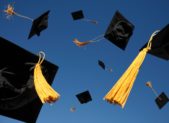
<point x="39" y="24"/>
<point x="160" y="44"/>
<point x="118" y="32"/>
<point x="101" y="64"/>
<point x="161" y="99"/>
<point x="84" y="97"/>
<point x="78" y="15"/>
<point x="18" y="98"/>
<point x="73" y="109"/>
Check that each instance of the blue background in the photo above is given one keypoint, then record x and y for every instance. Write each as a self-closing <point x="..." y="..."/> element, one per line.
<point x="78" y="68"/>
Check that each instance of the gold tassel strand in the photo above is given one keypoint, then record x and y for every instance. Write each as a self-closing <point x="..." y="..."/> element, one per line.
<point x="45" y="92"/>
<point x="121" y="90"/>
<point x="80" y="44"/>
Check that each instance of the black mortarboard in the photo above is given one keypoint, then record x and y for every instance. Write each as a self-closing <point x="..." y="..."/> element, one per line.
<point x="39" y="24"/>
<point x="101" y="64"/>
<point x="84" y="97"/>
<point x="161" y="100"/>
<point x="77" y="15"/>
<point x="119" y="30"/>
<point x="160" y="44"/>
<point x="18" y="98"/>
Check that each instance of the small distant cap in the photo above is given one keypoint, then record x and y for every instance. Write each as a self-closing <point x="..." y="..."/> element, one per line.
<point x="161" y="100"/>
<point x="72" y="109"/>
<point x="77" y="15"/>
<point x="84" y="97"/>
<point x="101" y="64"/>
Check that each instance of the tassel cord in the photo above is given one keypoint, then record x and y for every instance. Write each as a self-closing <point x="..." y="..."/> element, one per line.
<point x="90" y="20"/>
<point x="155" y="92"/>
<point x="98" y="38"/>
<point x="22" y="16"/>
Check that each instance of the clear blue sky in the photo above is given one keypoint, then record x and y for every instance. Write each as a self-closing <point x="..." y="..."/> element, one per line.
<point x="78" y="68"/>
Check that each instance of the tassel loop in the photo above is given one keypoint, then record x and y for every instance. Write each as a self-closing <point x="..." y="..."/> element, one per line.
<point x="41" y="57"/>
<point x="150" y="40"/>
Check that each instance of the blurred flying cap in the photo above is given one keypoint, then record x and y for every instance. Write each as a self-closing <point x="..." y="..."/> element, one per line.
<point x="161" y="100"/>
<point x="160" y="44"/>
<point x="77" y="15"/>
<point x="101" y="64"/>
<point x="119" y="30"/>
<point x="39" y="24"/>
<point x="84" y="97"/>
<point x="72" y="109"/>
<point x="18" y="98"/>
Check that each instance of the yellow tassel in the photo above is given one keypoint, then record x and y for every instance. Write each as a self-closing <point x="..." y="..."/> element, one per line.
<point x="121" y="90"/>
<point x="10" y="10"/>
<point x="148" y="84"/>
<point x="45" y="92"/>
<point x="80" y="44"/>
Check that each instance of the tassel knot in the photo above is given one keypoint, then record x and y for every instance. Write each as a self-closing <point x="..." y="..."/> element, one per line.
<point x="9" y="10"/>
